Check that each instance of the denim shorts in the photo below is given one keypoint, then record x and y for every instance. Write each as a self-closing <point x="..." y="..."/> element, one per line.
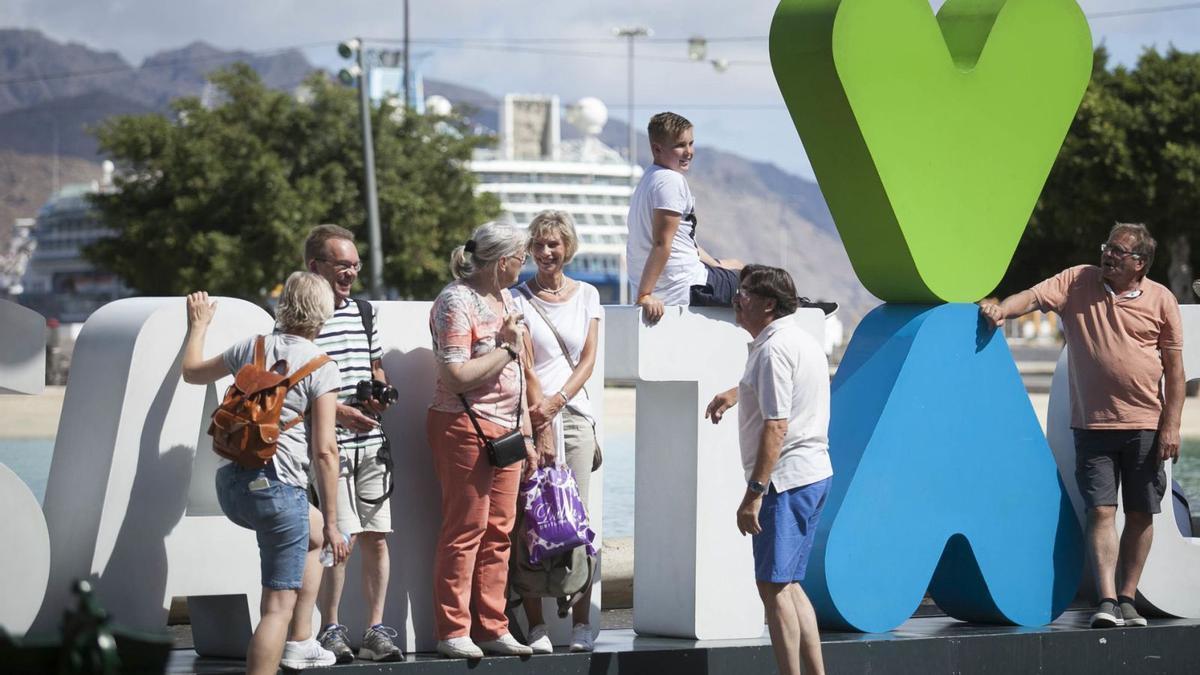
<point x="278" y="514"/>
<point x="789" y="528"/>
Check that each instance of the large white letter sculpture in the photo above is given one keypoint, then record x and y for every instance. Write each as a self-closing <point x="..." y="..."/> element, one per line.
<point x="1170" y="583"/>
<point x="693" y="572"/>
<point x="22" y="576"/>
<point x="131" y="500"/>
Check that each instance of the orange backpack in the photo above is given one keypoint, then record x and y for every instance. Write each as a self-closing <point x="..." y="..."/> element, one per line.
<point x="245" y="427"/>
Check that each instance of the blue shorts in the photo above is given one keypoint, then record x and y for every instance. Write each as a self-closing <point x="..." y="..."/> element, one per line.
<point x="718" y="290"/>
<point x="278" y="514"/>
<point x="789" y="527"/>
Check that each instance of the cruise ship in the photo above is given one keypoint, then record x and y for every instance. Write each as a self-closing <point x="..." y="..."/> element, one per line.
<point x="534" y="169"/>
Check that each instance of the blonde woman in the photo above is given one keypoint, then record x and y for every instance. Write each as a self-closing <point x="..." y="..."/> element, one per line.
<point x="273" y="500"/>
<point x="553" y="303"/>
<point x="477" y="340"/>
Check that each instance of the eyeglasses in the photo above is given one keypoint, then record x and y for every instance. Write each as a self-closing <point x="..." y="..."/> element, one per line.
<point x="342" y="265"/>
<point x="523" y="257"/>
<point x="1118" y="252"/>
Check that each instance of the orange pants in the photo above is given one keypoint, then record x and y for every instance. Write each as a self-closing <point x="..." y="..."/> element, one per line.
<point x="479" y="507"/>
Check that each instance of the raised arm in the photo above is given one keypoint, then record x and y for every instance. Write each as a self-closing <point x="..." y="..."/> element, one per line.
<point x="1009" y="308"/>
<point x="197" y="370"/>
<point x="464" y="376"/>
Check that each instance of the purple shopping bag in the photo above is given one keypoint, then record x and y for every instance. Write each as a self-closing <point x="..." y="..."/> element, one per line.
<point x="555" y="518"/>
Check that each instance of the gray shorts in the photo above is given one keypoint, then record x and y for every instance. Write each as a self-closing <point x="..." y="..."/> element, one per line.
<point x="1106" y="460"/>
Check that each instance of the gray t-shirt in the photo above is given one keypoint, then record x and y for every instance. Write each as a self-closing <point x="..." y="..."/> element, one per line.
<point x="291" y="455"/>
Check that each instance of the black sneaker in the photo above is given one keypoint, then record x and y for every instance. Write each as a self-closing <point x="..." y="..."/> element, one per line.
<point x="830" y="308"/>
<point x="1108" y="615"/>
<point x="377" y="645"/>
<point x="1130" y="614"/>
<point x="336" y="639"/>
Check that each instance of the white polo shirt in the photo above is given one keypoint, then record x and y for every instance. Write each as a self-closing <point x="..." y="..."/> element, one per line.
<point x="786" y="378"/>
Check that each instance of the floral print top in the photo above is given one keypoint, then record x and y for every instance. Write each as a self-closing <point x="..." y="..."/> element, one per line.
<point x="464" y="327"/>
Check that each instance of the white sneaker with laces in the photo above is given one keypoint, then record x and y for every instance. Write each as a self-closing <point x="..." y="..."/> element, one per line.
<point x="539" y="640"/>
<point x="459" y="648"/>
<point x="581" y="638"/>
<point x="306" y="654"/>
<point x="505" y="645"/>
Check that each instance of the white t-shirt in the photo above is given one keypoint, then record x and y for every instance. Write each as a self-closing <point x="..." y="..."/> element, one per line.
<point x="291" y="452"/>
<point x="662" y="188"/>
<point x="572" y="317"/>
<point x="787" y="377"/>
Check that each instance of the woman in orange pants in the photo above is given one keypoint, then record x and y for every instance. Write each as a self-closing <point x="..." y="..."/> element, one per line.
<point x="477" y="342"/>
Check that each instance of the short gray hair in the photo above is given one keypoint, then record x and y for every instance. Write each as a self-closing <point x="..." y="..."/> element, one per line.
<point x="556" y="222"/>
<point x="489" y="242"/>
<point x="1143" y="244"/>
<point x="305" y="304"/>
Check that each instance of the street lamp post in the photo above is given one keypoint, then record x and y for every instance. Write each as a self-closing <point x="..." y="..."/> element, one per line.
<point x="358" y="72"/>
<point x="631" y="33"/>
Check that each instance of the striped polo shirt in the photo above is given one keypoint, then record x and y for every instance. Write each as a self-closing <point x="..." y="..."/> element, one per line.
<point x="344" y="339"/>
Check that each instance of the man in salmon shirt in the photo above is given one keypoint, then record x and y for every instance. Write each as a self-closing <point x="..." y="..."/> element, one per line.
<point x="1124" y="335"/>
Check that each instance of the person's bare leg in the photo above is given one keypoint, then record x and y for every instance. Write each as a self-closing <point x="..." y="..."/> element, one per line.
<point x="300" y="628"/>
<point x="810" y="634"/>
<point x="1102" y="548"/>
<point x="376" y="567"/>
<point x="533" y="611"/>
<point x="582" y="611"/>
<point x="783" y="624"/>
<point x="266" y="645"/>
<point x="1136" y="538"/>
<point x="329" y="598"/>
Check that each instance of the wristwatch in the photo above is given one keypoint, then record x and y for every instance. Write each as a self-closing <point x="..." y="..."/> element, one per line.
<point x="756" y="487"/>
<point x="509" y="348"/>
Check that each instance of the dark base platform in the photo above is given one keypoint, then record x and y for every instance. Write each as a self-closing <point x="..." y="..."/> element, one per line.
<point x="924" y="645"/>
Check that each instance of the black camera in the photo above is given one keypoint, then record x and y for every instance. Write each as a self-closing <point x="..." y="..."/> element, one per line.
<point x="374" y="390"/>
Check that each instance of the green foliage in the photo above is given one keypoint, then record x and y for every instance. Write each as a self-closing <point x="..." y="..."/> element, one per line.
<point x="1132" y="155"/>
<point x="221" y="199"/>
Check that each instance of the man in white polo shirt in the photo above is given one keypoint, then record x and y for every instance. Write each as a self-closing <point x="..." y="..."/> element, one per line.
<point x="784" y="437"/>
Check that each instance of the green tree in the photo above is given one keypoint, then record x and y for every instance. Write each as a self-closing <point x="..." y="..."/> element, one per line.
<point x="221" y="198"/>
<point x="1132" y="155"/>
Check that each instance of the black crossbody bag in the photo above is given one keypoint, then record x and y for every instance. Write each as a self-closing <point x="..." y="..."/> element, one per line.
<point x="509" y="448"/>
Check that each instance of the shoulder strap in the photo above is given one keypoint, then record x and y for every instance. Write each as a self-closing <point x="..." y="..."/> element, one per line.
<point x="304" y="371"/>
<point x="366" y="312"/>
<point x="542" y="313"/>
<point x="260" y="352"/>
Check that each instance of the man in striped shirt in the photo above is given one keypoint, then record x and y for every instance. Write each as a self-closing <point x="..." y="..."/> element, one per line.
<point x="364" y="510"/>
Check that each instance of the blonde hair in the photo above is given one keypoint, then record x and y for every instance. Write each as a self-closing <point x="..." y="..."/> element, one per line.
<point x="666" y="127"/>
<point x="556" y="222"/>
<point x="305" y="304"/>
<point x="488" y="243"/>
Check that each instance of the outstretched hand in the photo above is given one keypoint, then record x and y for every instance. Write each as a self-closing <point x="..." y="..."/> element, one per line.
<point x="720" y="403"/>
<point x="200" y="309"/>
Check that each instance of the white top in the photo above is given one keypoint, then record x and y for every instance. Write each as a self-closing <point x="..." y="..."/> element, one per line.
<point x="662" y="188"/>
<point x="787" y="378"/>
<point x="572" y="317"/>
<point x="291" y="452"/>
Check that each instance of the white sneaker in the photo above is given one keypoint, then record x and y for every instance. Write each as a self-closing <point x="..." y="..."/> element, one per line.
<point x="306" y="654"/>
<point x="581" y="638"/>
<point x="459" y="648"/>
<point x="539" y="640"/>
<point x="505" y="645"/>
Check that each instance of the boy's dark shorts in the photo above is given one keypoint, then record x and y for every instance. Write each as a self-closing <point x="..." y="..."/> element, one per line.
<point x="718" y="291"/>
<point x="1106" y="460"/>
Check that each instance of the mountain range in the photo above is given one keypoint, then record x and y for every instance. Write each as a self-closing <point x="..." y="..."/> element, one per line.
<point x="52" y="93"/>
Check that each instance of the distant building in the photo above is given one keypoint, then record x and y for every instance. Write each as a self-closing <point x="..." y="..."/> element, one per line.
<point x="59" y="282"/>
<point x="533" y="169"/>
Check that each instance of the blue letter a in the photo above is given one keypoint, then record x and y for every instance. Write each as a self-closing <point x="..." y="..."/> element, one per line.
<point x="943" y="480"/>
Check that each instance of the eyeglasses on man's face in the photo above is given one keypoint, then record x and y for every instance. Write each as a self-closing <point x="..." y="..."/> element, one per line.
<point x="342" y="265"/>
<point x="1118" y="252"/>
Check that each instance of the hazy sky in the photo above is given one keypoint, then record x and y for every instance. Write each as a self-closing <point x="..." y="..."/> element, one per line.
<point x="738" y="110"/>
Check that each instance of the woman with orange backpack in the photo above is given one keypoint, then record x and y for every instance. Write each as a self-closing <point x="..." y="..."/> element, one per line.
<point x="262" y="483"/>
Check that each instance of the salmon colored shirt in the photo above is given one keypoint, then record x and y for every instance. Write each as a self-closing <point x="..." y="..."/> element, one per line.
<point x="1114" y="347"/>
<point x="464" y="327"/>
